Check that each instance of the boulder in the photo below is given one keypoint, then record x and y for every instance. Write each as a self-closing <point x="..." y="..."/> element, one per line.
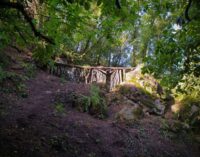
<point x="176" y="107"/>
<point x="159" y="107"/>
<point x="129" y="114"/>
<point x="136" y="72"/>
<point x="153" y="106"/>
<point x="114" y="98"/>
<point x="129" y="102"/>
<point x="194" y="109"/>
<point x="145" y="81"/>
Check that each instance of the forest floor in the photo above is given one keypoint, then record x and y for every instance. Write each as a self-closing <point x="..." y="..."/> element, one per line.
<point x="31" y="127"/>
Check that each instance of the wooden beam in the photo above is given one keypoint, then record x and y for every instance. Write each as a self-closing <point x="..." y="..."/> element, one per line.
<point x="95" y="67"/>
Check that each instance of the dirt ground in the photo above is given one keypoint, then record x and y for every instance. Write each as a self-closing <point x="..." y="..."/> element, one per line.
<point x="31" y="127"/>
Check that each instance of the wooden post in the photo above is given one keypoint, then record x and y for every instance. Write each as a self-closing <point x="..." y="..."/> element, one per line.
<point x="124" y="75"/>
<point x="109" y="82"/>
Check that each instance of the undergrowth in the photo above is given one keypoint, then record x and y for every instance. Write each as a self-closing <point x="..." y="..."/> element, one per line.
<point x="92" y="102"/>
<point x="95" y="104"/>
<point x="59" y="108"/>
<point x="11" y="82"/>
<point x="187" y="94"/>
<point x="29" y="69"/>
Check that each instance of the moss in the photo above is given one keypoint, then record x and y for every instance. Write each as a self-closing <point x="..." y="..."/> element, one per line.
<point x="148" y="102"/>
<point x="138" y="112"/>
<point x="147" y="88"/>
<point x="124" y="89"/>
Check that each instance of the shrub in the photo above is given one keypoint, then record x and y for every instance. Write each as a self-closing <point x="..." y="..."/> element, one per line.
<point x="83" y="103"/>
<point x="2" y="74"/>
<point x="187" y="94"/>
<point x="95" y="104"/>
<point x="124" y="89"/>
<point x="98" y="104"/>
<point x="59" y="107"/>
<point x="11" y="82"/>
<point x="30" y="69"/>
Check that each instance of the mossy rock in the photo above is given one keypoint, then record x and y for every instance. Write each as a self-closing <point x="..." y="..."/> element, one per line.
<point x="148" y="103"/>
<point x="129" y="114"/>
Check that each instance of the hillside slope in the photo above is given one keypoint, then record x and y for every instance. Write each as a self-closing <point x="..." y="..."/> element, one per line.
<point x="35" y="125"/>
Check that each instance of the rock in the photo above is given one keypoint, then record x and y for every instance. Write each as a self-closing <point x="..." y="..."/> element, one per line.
<point x="48" y="92"/>
<point x="148" y="103"/>
<point x="176" y="107"/>
<point x="136" y="72"/>
<point x="129" y="114"/>
<point x="114" y="98"/>
<point x="194" y="109"/>
<point x="146" y="110"/>
<point x="159" y="107"/>
<point x="129" y="102"/>
<point x="145" y="81"/>
<point x="153" y="107"/>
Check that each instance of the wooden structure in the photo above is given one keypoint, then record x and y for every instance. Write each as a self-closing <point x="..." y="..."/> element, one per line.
<point x="111" y="76"/>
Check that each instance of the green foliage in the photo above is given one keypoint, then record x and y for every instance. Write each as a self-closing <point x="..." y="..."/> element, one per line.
<point x="29" y="69"/>
<point x="44" y="55"/>
<point x="94" y="103"/>
<point x="59" y="107"/>
<point x="4" y="59"/>
<point x="189" y="85"/>
<point x="165" y="62"/>
<point x="63" y="79"/>
<point x="124" y="89"/>
<point x="100" y="32"/>
<point x="187" y="93"/>
<point x="98" y="103"/>
<point x="85" y="103"/>
<point x="11" y="82"/>
<point x="81" y="30"/>
<point x="95" y="96"/>
<point x="127" y="89"/>
<point x="173" y="129"/>
<point x="176" y="49"/>
<point x="147" y="88"/>
<point x="2" y="74"/>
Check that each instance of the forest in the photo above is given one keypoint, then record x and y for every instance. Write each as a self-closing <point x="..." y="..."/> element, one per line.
<point x="99" y="78"/>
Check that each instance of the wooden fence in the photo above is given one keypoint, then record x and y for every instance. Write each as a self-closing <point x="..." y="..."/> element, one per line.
<point x="111" y="76"/>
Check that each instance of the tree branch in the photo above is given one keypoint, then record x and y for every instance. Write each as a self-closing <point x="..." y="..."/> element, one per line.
<point x="20" y="7"/>
<point x="187" y="11"/>
<point x="117" y="3"/>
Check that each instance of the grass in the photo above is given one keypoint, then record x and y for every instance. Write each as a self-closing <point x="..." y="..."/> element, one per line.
<point x="59" y="107"/>
<point x="30" y="69"/>
<point x="63" y="79"/>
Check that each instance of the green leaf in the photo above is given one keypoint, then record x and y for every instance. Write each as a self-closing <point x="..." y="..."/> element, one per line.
<point x="87" y="5"/>
<point x="99" y="2"/>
